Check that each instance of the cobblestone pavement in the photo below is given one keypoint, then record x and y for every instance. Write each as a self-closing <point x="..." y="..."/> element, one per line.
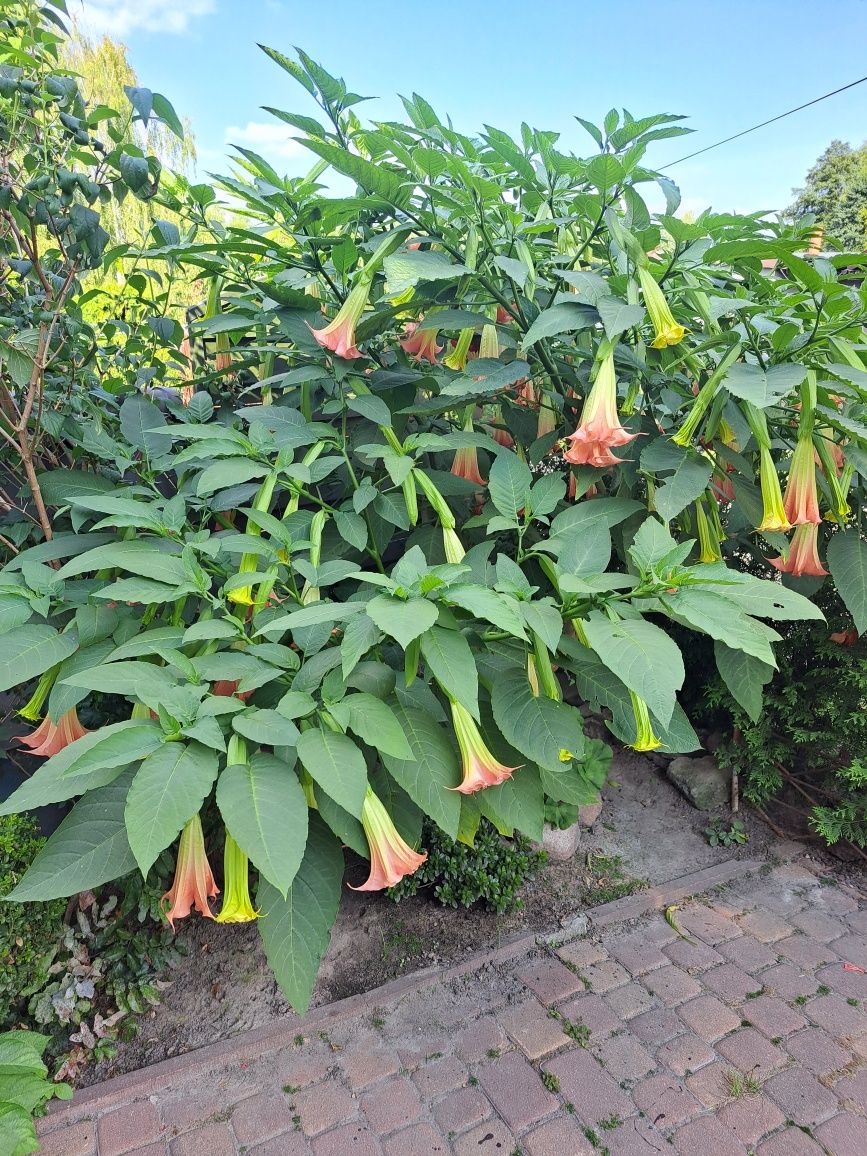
<point x="745" y="1034"/>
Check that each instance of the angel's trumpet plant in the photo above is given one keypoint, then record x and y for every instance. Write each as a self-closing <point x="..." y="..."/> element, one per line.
<point x="391" y="857"/>
<point x="599" y="428"/>
<point x="50" y="737"/>
<point x="645" y="739"/>
<point x="803" y="555"/>
<point x="801" y="502"/>
<point x="237" y="905"/>
<point x="194" y="882"/>
<point x="480" y="768"/>
<point x="668" y="331"/>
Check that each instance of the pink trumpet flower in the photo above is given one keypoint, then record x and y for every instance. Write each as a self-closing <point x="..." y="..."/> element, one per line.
<point x="803" y="557"/>
<point x="49" y="737"/>
<point x="421" y="345"/>
<point x="599" y="429"/>
<point x="194" y="881"/>
<point x="801" y="502"/>
<point x="339" y="335"/>
<point x="480" y="768"/>
<point x="390" y="856"/>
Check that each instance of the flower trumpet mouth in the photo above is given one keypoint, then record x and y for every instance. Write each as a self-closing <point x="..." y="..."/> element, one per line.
<point x="194" y="882"/>
<point x="480" y="768"/>
<point x="668" y="331"/>
<point x="645" y="739"/>
<point x="390" y="856"/>
<point x="339" y="335"/>
<point x="599" y="429"/>
<point x="237" y="906"/>
<point x="803" y="556"/>
<point x="49" y="737"/>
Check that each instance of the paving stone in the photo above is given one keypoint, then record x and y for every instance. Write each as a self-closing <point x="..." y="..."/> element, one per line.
<point x="792" y="873"/>
<point x="294" y="1144"/>
<point x="849" y="984"/>
<point x="730" y="982"/>
<point x="419" y="1140"/>
<point x="751" y="1053"/>
<point x="710" y="1084"/>
<point x="586" y="1084"/>
<point x="550" y="980"/>
<point x="751" y="1118"/>
<point x="624" y="1057"/>
<point x="773" y="1016"/>
<point x="765" y="926"/>
<point x="656" y="1027"/>
<point x="492" y="1138"/>
<point x="461" y="1110"/>
<point x="693" y="957"/>
<point x="852" y="948"/>
<point x="629" y="1001"/>
<point x="665" y="1102"/>
<point x="582" y="952"/>
<point x="836" y="1016"/>
<point x="854" y="1089"/>
<point x="183" y="1111"/>
<point x="532" y="1029"/>
<point x="685" y="1054"/>
<point x="324" y="1106"/>
<point x="604" y="976"/>
<point x="706" y="924"/>
<point x="671" y="985"/>
<point x="212" y="1140"/>
<point x="844" y="1135"/>
<point x="366" y="1065"/>
<point x="857" y="921"/>
<point x="802" y="1097"/>
<point x="838" y="901"/>
<point x="300" y="1067"/>
<point x="439" y="1076"/>
<point x="259" y="1117"/>
<point x="77" y="1140"/>
<point x="480" y="1039"/>
<point x="819" y="926"/>
<point x="708" y="1017"/>
<point x="350" y="1140"/>
<point x="516" y="1091"/>
<point x="157" y="1149"/>
<point x="637" y="954"/>
<point x="788" y="981"/>
<point x="805" y="952"/>
<point x="707" y="1135"/>
<point x="636" y="1136"/>
<point x="750" y="954"/>
<point x="815" y="1049"/>
<point x="557" y="1138"/>
<point x="594" y="1013"/>
<point x="129" y="1127"/>
<point x="391" y="1105"/>
<point x="790" y="1142"/>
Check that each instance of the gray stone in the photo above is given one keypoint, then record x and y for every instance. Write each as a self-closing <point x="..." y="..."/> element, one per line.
<point x="706" y="785"/>
<point x="588" y="814"/>
<point x="561" y="844"/>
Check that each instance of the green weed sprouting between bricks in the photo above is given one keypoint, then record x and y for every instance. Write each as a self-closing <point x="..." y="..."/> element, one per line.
<point x="355" y="575"/>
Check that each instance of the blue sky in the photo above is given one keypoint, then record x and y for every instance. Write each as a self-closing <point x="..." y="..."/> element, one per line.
<point x="725" y="64"/>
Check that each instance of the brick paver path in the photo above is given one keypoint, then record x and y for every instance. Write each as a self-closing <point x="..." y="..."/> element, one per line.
<point x="747" y="1035"/>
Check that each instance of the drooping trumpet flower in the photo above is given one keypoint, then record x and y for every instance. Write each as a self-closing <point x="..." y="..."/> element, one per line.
<point x="801" y="502"/>
<point x="645" y="739"/>
<point x="466" y="463"/>
<point x="420" y="344"/>
<point x="708" y="539"/>
<point x="339" y="335"/>
<point x="452" y="546"/>
<point x="50" y="737"/>
<point x="237" y="906"/>
<point x="773" y="511"/>
<point x="480" y="768"/>
<point x="32" y="709"/>
<point x="194" y="882"/>
<point x="803" y="556"/>
<point x="390" y="856"/>
<point x="457" y="359"/>
<point x="668" y="331"/>
<point x="599" y="428"/>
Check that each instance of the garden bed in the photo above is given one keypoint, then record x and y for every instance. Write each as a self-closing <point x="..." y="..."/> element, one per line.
<point x="224" y="986"/>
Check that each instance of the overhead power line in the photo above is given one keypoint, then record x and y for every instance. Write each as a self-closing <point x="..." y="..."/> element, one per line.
<point x="764" y="123"/>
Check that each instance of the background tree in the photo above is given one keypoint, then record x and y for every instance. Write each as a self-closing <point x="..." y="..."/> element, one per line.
<point x="835" y="192"/>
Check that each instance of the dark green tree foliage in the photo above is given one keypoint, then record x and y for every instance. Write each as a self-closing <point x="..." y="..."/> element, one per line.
<point x="835" y="193"/>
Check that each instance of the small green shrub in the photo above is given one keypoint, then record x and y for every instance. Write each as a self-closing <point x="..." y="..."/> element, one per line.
<point x="720" y="835"/>
<point x="492" y="870"/>
<point x="24" y="1090"/>
<point x="29" y="932"/>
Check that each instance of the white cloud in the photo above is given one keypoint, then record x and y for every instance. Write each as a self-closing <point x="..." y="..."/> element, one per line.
<point x="121" y="17"/>
<point x="273" y="140"/>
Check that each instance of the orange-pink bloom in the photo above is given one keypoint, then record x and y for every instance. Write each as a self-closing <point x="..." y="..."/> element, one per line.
<point x="194" y="881"/>
<point x="390" y="856"/>
<point x="801" y="501"/>
<point x="420" y="344"/>
<point x="803" y="556"/>
<point x="339" y="335"/>
<point x="480" y="768"/>
<point x="599" y="429"/>
<point x="49" y="737"/>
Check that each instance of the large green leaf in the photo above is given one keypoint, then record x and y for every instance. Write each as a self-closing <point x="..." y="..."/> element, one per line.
<point x="89" y="848"/>
<point x="617" y="315"/>
<point x="450" y="660"/>
<point x="744" y="675"/>
<point x="168" y="789"/>
<point x="142" y="558"/>
<point x="142" y="680"/>
<point x="565" y="317"/>
<point x="403" y="621"/>
<point x="296" y="929"/>
<point x="643" y="657"/>
<point x="337" y="765"/>
<point x="376" y="724"/>
<point x="847" y="561"/>
<point x="63" y="698"/>
<point x="509" y="483"/>
<point x="141" y="423"/>
<point x="500" y="610"/>
<point x="266" y="727"/>
<point x="430" y="776"/>
<point x="691" y="477"/>
<point x="540" y="728"/>
<point x="404" y="270"/>
<point x="718" y="616"/>
<point x="376" y="179"/>
<point x="759" y="596"/>
<point x="114" y="745"/>
<point x="229" y="472"/>
<point x="763" y="387"/>
<point x="17" y="1129"/>
<point x="516" y="803"/>
<point x="264" y="808"/>
<point x="30" y="650"/>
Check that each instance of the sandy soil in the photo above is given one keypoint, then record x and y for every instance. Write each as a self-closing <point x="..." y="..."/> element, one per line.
<point x="224" y="986"/>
